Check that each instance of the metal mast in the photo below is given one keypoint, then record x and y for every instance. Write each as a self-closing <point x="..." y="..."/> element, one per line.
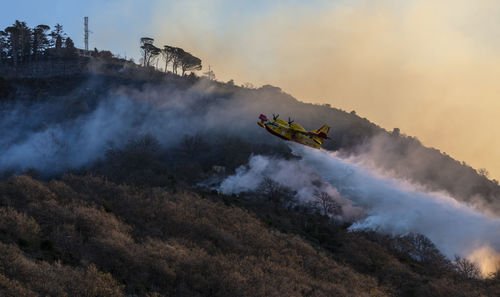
<point x="86" y="24"/>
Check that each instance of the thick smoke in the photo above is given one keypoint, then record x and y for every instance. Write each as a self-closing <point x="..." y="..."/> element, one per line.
<point x="391" y="206"/>
<point x="55" y="135"/>
<point x="294" y="174"/>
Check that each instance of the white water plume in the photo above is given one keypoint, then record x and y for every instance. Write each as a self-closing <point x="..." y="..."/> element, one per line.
<point x="391" y="206"/>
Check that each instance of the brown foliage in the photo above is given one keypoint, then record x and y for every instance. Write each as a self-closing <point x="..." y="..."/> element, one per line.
<point x="156" y="242"/>
<point x="13" y="288"/>
<point x="53" y="279"/>
<point x="275" y="192"/>
<point x="466" y="268"/>
<point x="97" y="238"/>
<point x="18" y="227"/>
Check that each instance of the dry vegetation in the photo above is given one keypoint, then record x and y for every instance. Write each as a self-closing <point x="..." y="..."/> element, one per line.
<point x="83" y="236"/>
<point x="86" y="236"/>
<point x="135" y="231"/>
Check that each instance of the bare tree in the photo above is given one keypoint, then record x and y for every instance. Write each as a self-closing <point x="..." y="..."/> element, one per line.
<point x="424" y="248"/>
<point x="466" y="268"/>
<point x="192" y="146"/>
<point x="276" y="193"/>
<point x="484" y="172"/>
<point x="326" y="203"/>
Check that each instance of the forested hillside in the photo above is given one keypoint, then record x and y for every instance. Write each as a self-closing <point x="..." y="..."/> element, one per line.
<point x="129" y="219"/>
<point x="111" y="173"/>
<point x="190" y="110"/>
<point x="85" y="236"/>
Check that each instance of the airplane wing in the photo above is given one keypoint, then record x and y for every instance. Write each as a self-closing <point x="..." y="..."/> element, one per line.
<point x="297" y="128"/>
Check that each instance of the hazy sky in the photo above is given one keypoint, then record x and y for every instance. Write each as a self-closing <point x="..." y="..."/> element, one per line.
<point x="429" y="67"/>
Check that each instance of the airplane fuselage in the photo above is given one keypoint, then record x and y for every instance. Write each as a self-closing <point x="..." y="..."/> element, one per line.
<point x="293" y="132"/>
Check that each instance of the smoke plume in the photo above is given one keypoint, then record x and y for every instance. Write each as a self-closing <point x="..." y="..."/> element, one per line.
<point x="390" y="206"/>
<point x="55" y="135"/>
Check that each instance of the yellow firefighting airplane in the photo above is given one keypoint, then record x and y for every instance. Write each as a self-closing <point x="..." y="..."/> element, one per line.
<point x="294" y="132"/>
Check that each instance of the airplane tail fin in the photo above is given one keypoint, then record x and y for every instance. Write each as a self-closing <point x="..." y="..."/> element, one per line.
<point x="323" y="131"/>
<point x="319" y="135"/>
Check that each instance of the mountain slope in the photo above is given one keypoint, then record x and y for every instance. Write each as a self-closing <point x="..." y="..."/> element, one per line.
<point x="133" y="215"/>
<point x="153" y="241"/>
<point x="95" y="112"/>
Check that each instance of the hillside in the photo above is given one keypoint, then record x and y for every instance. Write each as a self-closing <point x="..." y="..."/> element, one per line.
<point x="86" y="236"/>
<point x="105" y="191"/>
<point x="214" y="111"/>
<point x="152" y="241"/>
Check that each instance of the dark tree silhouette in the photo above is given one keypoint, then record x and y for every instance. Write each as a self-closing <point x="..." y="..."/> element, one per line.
<point x="12" y="43"/>
<point x="148" y="50"/>
<point x="276" y="192"/>
<point x="69" y="48"/>
<point x="168" y="53"/>
<point x="57" y="37"/>
<point x="180" y="58"/>
<point x="40" y="41"/>
<point x="19" y="39"/>
<point x="3" y="46"/>
<point x="105" y="55"/>
<point x="178" y="53"/>
<point x="189" y="63"/>
<point x="326" y="203"/>
<point x="466" y="268"/>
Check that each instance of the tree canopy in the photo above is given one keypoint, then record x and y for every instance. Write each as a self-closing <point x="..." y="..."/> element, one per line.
<point x="171" y="55"/>
<point x="149" y="51"/>
<point x="20" y="44"/>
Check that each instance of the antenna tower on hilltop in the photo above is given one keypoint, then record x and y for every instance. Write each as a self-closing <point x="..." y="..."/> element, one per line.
<point x="86" y="25"/>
